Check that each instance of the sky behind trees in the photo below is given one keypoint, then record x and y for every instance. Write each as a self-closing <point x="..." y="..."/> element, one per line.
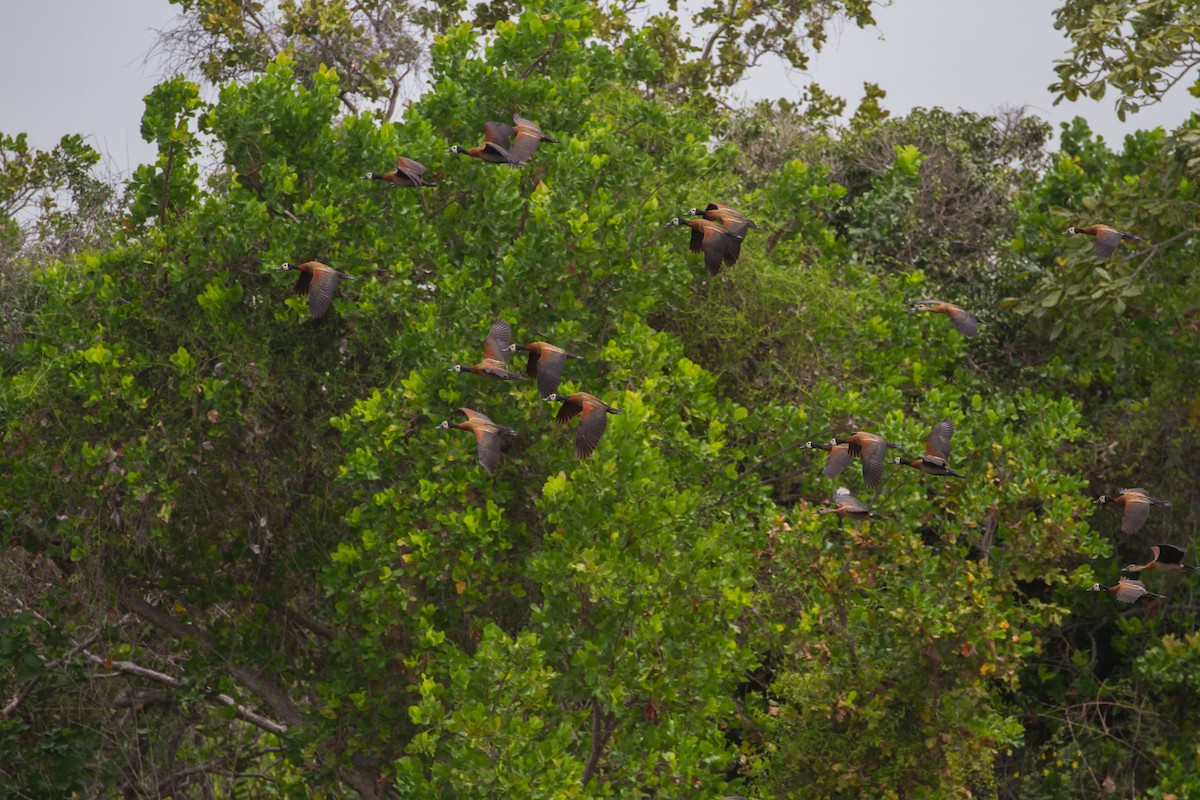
<point x="92" y="68"/>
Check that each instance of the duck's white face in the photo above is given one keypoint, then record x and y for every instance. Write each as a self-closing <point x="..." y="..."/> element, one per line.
<point x="445" y="424"/>
<point x="550" y="398"/>
<point x="1095" y="587"/>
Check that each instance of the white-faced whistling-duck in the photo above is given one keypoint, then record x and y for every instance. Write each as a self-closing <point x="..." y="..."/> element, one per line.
<point x="496" y="138"/>
<point x="838" y="456"/>
<point x="317" y="281"/>
<point x="546" y="363"/>
<point x="528" y="137"/>
<point x="1166" y="558"/>
<point x="1126" y="590"/>
<point x="732" y="220"/>
<point x="847" y="505"/>
<point x="592" y="423"/>
<point x="504" y="144"/>
<point x="713" y="240"/>
<point x="871" y="448"/>
<point x="966" y="322"/>
<point x="937" y="452"/>
<point x="1107" y="238"/>
<point x="406" y="173"/>
<point x="496" y="352"/>
<point x="1136" y="505"/>
<point x="487" y="436"/>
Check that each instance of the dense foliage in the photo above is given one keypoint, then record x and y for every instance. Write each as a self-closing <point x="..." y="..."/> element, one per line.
<point x="242" y="560"/>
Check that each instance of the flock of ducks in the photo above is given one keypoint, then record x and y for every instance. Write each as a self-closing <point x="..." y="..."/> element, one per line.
<point x="1135" y="505"/>
<point x="546" y="362"/>
<point x="717" y="231"/>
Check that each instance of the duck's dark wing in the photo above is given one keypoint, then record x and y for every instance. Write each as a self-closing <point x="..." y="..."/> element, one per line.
<point x="499" y="337"/>
<point x="524" y="145"/>
<point x="320" y="292"/>
<point x="1167" y="554"/>
<point x="591" y="428"/>
<point x="487" y="447"/>
<point x="872" y="460"/>
<point x="851" y="504"/>
<point x="1107" y="242"/>
<point x="549" y="371"/>
<point x="1128" y="591"/>
<point x="938" y="443"/>
<point x="302" y="282"/>
<point x="498" y="133"/>
<point x="410" y="172"/>
<point x="531" y="368"/>
<point x="568" y="411"/>
<point x="733" y="250"/>
<point x="966" y="323"/>
<point x="528" y="137"/>
<point x="839" y="458"/>
<point x="408" y="165"/>
<point x="714" y="249"/>
<point x="474" y="415"/>
<point x="1137" y="511"/>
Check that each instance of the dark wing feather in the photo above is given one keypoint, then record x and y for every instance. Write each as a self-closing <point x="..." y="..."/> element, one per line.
<point x="851" y="503"/>
<point x="714" y="250"/>
<point x="549" y="371"/>
<point x="495" y="346"/>
<point x="408" y="165"/>
<point x="839" y="459"/>
<point x="938" y="443"/>
<point x="320" y="292"/>
<point x="497" y="369"/>
<point x="733" y="249"/>
<point x="966" y="323"/>
<point x="736" y="225"/>
<point x="872" y="461"/>
<point x="301" y="285"/>
<point x="525" y="145"/>
<point x="498" y="133"/>
<point x="474" y="415"/>
<point x="521" y="122"/>
<point x="591" y="428"/>
<point x="1167" y="554"/>
<point x="568" y="411"/>
<point x="531" y="369"/>
<point x="1129" y="591"/>
<point x="1137" y="510"/>
<point x="1106" y="242"/>
<point x="498" y="154"/>
<point x="696" y="245"/>
<point x="487" y="446"/>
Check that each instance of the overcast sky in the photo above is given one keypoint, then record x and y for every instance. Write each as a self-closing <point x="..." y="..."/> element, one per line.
<point x="77" y="66"/>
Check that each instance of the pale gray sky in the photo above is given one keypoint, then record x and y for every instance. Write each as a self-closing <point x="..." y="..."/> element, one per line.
<point x="76" y="66"/>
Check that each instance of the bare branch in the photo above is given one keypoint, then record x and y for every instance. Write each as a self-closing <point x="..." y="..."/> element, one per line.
<point x="240" y="711"/>
<point x="269" y="691"/>
<point x="24" y="691"/>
